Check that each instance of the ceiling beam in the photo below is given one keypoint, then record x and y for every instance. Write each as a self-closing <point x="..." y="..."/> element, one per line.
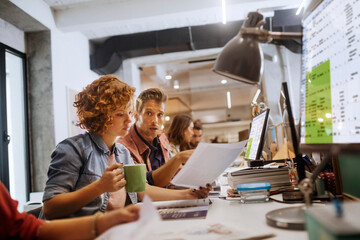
<point x="20" y="19"/>
<point x="99" y="19"/>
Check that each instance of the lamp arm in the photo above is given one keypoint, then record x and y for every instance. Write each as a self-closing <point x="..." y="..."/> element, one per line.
<point x="264" y="35"/>
<point x="285" y="35"/>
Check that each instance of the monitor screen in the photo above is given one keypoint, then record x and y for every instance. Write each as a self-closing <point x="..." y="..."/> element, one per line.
<point x="330" y="83"/>
<point x="257" y="136"/>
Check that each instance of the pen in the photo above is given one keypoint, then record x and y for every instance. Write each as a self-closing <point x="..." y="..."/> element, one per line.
<point x="259" y="237"/>
<point x="338" y="207"/>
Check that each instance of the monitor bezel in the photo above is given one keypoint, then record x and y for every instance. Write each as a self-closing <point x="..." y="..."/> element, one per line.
<point x="262" y="138"/>
<point x="311" y="7"/>
<point x="314" y="147"/>
<point x="300" y="166"/>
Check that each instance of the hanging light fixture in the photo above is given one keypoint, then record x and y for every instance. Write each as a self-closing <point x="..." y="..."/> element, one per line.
<point x="241" y="59"/>
<point x="223" y="11"/>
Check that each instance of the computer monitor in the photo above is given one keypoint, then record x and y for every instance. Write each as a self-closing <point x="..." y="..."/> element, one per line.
<point x="330" y="82"/>
<point x="330" y="89"/>
<point x="257" y="136"/>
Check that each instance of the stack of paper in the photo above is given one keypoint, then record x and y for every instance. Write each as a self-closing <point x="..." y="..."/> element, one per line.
<point x="277" y="177"/>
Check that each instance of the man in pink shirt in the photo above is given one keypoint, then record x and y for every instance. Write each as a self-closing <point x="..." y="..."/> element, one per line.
<point x="146" y="141"/>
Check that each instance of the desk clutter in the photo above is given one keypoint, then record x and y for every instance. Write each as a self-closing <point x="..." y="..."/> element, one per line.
<point x="277" y="177"/>
<point x="254" y="192"/>
<point x="329" y="181"/>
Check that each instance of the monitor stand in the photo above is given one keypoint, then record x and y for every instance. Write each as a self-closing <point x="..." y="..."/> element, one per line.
<point x="293" y="217"/>
<point x="256" y="163"/>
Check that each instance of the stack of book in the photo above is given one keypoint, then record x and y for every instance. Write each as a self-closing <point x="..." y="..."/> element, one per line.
<point x="277" y="177"/>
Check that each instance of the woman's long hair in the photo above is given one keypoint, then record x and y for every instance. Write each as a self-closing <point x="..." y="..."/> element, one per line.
<point x="176" y="132"/>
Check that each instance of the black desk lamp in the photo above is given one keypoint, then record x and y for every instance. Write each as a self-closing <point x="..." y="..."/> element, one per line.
<point x="242" y="58"/>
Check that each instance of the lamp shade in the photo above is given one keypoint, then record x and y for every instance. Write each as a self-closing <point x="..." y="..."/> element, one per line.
<point x="241" y="59"/>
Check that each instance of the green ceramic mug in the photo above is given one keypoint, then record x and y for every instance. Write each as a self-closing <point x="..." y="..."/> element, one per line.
<point x="135" y="176"/>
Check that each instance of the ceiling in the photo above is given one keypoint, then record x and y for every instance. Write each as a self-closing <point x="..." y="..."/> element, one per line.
<point x="200" y="91"/>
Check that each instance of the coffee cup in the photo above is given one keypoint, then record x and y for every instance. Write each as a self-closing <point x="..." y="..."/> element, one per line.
<point x="135" y="176"/>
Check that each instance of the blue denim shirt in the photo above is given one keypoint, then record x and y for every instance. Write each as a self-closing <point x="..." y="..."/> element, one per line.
<point x="78" y="161"/>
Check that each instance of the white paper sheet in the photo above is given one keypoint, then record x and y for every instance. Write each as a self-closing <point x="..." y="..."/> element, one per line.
<point x="204" y="231"/>
<point x="206" y="163"/>
<point x="149" y="217"/>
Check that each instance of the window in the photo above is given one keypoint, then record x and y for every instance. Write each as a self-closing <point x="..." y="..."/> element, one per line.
<point x="14" y="147"/>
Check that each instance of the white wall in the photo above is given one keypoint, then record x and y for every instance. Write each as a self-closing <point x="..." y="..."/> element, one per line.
<point x="71" y="69"/>
<point x="12" y="36"/>
<point x="129" y="72"/>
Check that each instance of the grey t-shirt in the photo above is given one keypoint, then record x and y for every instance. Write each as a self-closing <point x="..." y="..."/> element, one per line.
<point x="78" y="161"/>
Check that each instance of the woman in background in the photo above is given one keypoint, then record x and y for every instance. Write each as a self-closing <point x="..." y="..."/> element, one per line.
<point x="179" y="134"/>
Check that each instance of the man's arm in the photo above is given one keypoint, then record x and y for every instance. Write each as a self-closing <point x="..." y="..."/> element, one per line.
<point x="164" y="194"/>
<point x="166" y="172"/>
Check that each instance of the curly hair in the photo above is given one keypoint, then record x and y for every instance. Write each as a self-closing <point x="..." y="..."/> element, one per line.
<point x="176" y="132"/>
<point x="99" y="100"/>
<point x="156" y="94"/>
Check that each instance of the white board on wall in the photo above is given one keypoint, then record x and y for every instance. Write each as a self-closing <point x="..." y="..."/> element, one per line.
<point x="72" y="116"/>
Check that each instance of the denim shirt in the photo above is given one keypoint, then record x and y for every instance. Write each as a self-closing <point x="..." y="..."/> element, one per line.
<point x="78" y="161"/>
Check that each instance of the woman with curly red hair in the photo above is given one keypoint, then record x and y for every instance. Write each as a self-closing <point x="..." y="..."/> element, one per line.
<point x="84" y="175"/>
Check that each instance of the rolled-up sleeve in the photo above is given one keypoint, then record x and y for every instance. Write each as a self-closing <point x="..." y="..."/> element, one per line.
<point x="63" y="171"/>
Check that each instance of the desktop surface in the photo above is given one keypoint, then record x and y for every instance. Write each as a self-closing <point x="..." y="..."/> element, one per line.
<point x="247" y="218"/>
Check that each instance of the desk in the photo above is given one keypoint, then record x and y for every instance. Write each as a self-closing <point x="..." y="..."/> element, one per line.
<point x="249" y="217"/>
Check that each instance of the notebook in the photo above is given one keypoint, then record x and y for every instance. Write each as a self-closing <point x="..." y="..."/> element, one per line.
<point x="182" y="209"/>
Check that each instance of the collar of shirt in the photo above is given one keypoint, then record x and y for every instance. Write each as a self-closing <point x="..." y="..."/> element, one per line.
<point x="156" y="141"/>
<point x="99" y="142"/>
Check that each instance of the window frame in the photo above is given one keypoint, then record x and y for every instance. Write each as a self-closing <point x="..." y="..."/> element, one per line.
<point x="4" y="154"/>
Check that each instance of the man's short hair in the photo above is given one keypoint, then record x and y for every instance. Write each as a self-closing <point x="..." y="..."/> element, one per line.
<point x="197" y="124"/>
<point x="156" y="94"/>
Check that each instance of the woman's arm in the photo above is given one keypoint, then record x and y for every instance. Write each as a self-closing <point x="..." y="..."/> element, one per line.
<point x="65" y="204"/>
<point x="87" y="227"/>
<point x="166" y="172"/>
<point x="164" y="194"/>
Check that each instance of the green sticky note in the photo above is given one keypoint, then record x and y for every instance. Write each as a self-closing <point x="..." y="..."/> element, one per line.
<point x="318" y="114"/>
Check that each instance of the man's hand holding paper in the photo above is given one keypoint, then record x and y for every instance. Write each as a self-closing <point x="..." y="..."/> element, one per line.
<point x="206" y="163"/>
